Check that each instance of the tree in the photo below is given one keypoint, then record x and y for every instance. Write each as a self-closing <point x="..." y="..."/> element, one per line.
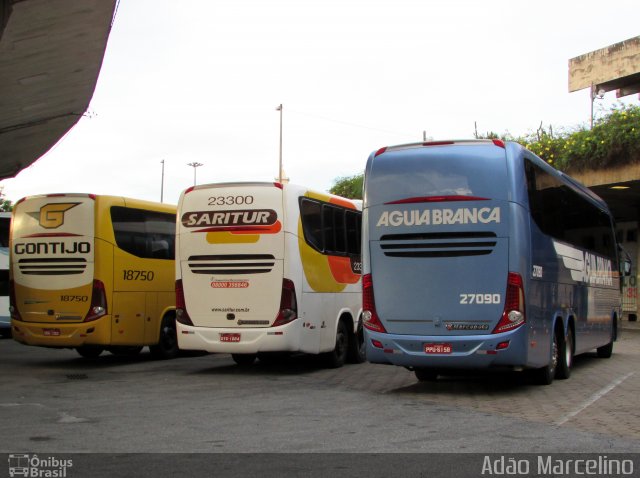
<point x="5" y="204"/>
<point x="348" y="186"/>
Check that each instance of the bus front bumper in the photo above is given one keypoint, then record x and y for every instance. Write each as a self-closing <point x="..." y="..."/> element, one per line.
<point x="508" y="349"/>
<point x="96" y="332"/>
<point x="285" y="338"/>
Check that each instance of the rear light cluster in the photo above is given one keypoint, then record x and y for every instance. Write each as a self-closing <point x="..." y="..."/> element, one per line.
<point x="98" y="306"/>
<point x="369" y="315"/>
<point x="13" y="308"/>
<point x="182" y="315"/>
<point x="288" y="304"/>
<point x="513" y="315"/>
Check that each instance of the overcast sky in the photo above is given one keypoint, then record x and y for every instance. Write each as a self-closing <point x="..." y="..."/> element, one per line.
<point x="200" y="81"/>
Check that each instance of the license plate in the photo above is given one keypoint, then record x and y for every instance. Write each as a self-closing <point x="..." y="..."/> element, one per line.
<point x="51" y="332"/>
<point x="229" y="337"/>
<point x="440" y="349"/>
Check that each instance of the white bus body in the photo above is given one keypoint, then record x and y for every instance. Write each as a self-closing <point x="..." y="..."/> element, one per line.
<point x="265" y="267"/>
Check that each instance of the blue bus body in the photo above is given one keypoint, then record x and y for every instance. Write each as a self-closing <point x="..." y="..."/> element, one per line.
<point x="478" y="254"/>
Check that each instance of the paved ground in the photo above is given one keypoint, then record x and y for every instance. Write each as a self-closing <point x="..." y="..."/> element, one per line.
<point x="54" y="401"/>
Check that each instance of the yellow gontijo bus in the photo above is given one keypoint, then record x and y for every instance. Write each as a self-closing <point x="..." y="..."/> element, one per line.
<point x="267" y="268"/>
<point x="93" y="273"/>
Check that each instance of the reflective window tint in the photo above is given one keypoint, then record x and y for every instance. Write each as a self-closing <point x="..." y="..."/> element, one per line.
<point x="144" y="234"/>
<point x="563" y="213"/>
<point x="331" y="229"/>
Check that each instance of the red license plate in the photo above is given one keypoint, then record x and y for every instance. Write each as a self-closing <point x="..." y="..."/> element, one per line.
<point x="229" y="337"/>
<point x="51" y="332"/>
<point x="440" y="349"/>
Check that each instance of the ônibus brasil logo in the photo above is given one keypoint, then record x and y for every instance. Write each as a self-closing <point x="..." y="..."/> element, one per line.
<point x="22" y="464"/>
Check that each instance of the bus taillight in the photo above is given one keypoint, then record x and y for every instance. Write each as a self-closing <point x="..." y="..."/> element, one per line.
<point x="13" y="305"/>
<point x="98" y="302"/>
<point x="288" y="304"/>
<point x="182" y="315"/>
<point x="369" y="315"/>
<point x="513" y="315"/>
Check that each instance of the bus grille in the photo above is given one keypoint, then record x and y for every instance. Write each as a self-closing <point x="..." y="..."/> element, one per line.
<point x="52" y="266"/>
<point x="438" y="244"/>
<point x="232" y="264"/>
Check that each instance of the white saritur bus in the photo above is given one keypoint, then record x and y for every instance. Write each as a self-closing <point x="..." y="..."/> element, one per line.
<point x="267" y="267"/>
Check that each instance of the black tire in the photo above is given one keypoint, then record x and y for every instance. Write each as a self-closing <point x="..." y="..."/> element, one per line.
<point x="545" y="375"/>
<point x="89" y="351"/>
<point x="357" y="349"/>
<point x="607" y="350"/>
<point x="5" y="333"/>
<point x="125" y="350"/>
<point x="426" y="374"/>
<point x="244" y="360"/>
<point x="338" y="356"/>
<point x="167" y="346"/>
<point x="565" y="356"/>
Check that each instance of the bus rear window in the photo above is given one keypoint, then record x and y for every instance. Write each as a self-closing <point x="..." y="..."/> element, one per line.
<point x="445" y="171"/>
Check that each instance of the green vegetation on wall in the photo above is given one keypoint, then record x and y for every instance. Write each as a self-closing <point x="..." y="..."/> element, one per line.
<point x="613" y="141"/>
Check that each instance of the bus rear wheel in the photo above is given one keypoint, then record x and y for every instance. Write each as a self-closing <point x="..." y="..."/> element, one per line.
<point x="565" y="356"/>
<point x="89" y="351"/>
<point x="244" y="360"/>
<point x="545" y="375"/>
<point x="426" y="374"/>
<point x="337" y="357"/>
<point x="167" y="346"/>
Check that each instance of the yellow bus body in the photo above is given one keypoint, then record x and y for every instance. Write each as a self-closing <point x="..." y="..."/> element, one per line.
<point x="71" y="253"/>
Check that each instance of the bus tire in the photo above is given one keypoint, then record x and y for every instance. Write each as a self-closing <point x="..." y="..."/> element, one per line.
<point x="607" y="350"/>
<point x="337" y="357"/>
<point x="244" y="360"/>
<point x="89" y="351"/>
<point x="426" y="374"/>
<point x="167" y="346"/>
<point x="357" y="348"/>
<point x="545" y="375"/>
<point x="565" y="356"/>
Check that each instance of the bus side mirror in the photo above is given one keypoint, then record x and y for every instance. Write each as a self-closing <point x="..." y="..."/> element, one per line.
<point x="625" y="261"/>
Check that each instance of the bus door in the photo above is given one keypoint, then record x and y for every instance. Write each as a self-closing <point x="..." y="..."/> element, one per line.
<point x="439" y="246"/>
<point x="231" y="255"/>
<point x="52" y="258"/>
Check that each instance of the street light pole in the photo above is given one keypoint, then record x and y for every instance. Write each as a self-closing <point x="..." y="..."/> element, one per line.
<point x="194" y="165"/>
<point x="162" y="182"/>
<point x="279" y="108"/>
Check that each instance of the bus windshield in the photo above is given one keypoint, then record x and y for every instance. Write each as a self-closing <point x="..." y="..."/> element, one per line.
<point x="465" y="171"/>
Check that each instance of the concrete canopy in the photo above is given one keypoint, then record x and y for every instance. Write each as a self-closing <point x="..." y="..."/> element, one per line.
<point x="50" y="57"/>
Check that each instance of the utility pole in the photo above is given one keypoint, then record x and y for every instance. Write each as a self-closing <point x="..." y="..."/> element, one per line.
<point x="162" y="182"/>
<point x="279" y="108"/>
<point x="194" y="165"/>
